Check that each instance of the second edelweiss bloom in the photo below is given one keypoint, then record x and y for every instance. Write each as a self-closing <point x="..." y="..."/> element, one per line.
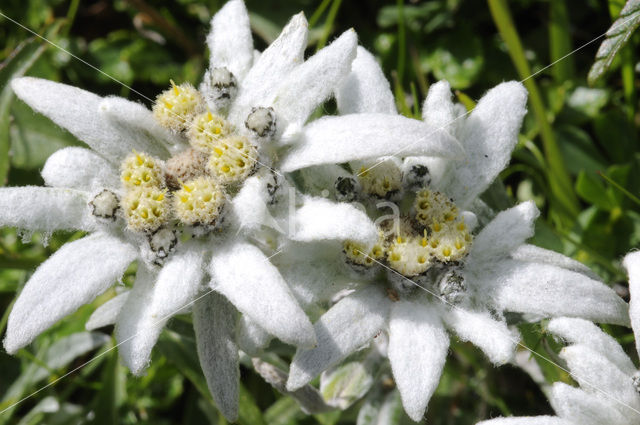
<point x="432" y="271"/>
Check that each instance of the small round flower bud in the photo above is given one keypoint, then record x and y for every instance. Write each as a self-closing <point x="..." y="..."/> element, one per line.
<point x="162" y="243"/>
<point x="416" y="177"/>
<point x="433" y="207"/>
<point x="176" y="106"/>
<point x="222" y="87"/>
<point x="409" y="255"/>
<point x="232" y="160"/>
<point x="146" y="209"/>
<point x="141" y="170"/>
<point x="105" y="205"/>
<point x="262" y="122"/>
<point x="382" y="180"/>
<point x="199" y="202"/>
<point x="347" y="189"/>
<point x="452" y="287"/>
<point x="185" y="166"/>
<point x="207" y="130"/>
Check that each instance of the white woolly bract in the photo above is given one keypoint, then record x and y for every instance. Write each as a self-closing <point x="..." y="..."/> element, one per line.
<point x="535" y="254"/>
<point x="352" y="322"/>
<point x="107" y="313"/>
<point x="632" y="264"/>
<point x="365" y="89"/>
<point x="230" y="41"/>
<point x="418" y="345"/>
<point x="338" y="139"/>
<point x="46" y="209"/>
<point x="79" y="168"/>
<point x="582" y="408"/>
<point x="438" y="109"/>
<point x="534" y="420"/>
<point x="243" y="274"/>
<point x="250" y="337"/>
<point x="73" y="276"/>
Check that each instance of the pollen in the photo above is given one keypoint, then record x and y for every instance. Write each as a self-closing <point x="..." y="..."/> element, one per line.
<point x="199" y="202"/>
<point x="141" y="170"/>
<point x="175" y="107"/>
<point x="232" y="160"/>
<point x="207" y="130"/>
<point x="382" y="180"/>
<point x="146" y="209"/>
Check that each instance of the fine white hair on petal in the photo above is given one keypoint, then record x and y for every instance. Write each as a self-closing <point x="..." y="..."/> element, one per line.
<point x="583" y="408"/>
<point x="598" y="376"/>
<point x="365" y="89"/>
<point x="79" y="168"/>
<point x="77" y="111"/>
<point x="214" y="324"/>
<point x="107" y="313"/>
<point x="249" y="207"/>
<point x="632" y="264"/>
<point x="136" y="120"/>
<point x="311" y="83"/>
<point x="339" y="139"/>
<point x="535" y="254"/>
<point x="580" y="331"/>
<point x="251" y="338"/>
<point x="348" y="325"/>
<point x="322" y="219"/>
<point x="230" y="41"/>
<point x="70" y="278"/>
<point x="489" y="135"/>
<point x="546" y="290"/>
<point x="533" y="420"/>
<point x="437" y="109"/>
<point x="45" y="208"/>
<point x="243" y="274"/>
<point x="274" y="64"/>
<point x="508" y="230"/>
<point x="418" y="345"/>
<point x="155" y="297"/>
<point x="493" y="337"/>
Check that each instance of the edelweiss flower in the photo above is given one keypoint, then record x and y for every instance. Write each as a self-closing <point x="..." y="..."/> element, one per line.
<point x="429" y="253"/>
<point x="186" y="191"/>
<point x="609" y="390"/>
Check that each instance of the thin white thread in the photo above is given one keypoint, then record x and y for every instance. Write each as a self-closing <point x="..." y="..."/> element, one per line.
<point x="125" y="85"/>
<point x="508" y="336"/>
<point x="522" y="81"/>
<point x="117" y="345"/>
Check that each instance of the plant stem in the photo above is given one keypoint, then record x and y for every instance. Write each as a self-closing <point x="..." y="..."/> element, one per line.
<point x="560" y="41"/>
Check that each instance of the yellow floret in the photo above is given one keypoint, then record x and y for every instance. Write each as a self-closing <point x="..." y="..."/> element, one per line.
<point x="199" y="201"/>
<point x="146" y="209"/>
<point x="207" y="130"/>
<point x="358" y="254"/>
<point x="433" y="207"/>
<point x="175" y="107"/>
<point x="409" y="255"/>
<point x="232" y="160"/>
<point x="380" y="179"/>
<point x="452" y="242"/>
<point x="141" y="170"/>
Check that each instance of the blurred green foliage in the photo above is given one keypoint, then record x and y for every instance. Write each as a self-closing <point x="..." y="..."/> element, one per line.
<point x="578" y="159"/>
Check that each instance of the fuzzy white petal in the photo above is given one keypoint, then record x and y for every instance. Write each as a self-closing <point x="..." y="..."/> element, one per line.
<point x="535" y="254"/>
<point x="437" y="109"/>
<point x="136" y="120"/>
<point x="77" y="111"/>
<point x="243" y="274"/>
<point x="489" y="136"/>
<point x="214" y="324"/>
<point x="73" y="276"/>
<point x="363" y="136"/>
<point x="249" y="208"/>
<point x="632" y="264"/>
<point x="580" y="331"/>
<point x="508" y="230"/>
<point x="534" y="420"/>
<point x="322" y="219"/>
<point x="493" y="337"/>
<point x="107" y="313"/>
<point x="251" y="338"/>
<point x="348" y="325"/>
<point x="155" y="297"/>
<point x="584" y="408"/>
<point x="418" y="345"/>
<point x="365" y="89"/>
<point x="267" y="73"/>
<point x="598" y="376"/>
<point x="311" y="83"/>
<point x="44" y="208"/>
<point x="230" y="41"/>
<point x="79" y="168"/>
<point x="552" y="291"/>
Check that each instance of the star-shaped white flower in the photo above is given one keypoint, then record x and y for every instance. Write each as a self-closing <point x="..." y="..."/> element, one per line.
<point x="432" y="256"/>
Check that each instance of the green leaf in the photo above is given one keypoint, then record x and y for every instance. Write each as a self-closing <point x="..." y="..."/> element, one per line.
<point x="617" y="37"/>
<point x="590" y="188"/>
<point x="456" y="57"/>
